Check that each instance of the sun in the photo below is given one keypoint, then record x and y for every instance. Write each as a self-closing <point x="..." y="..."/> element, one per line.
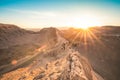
<point x="86" y="21"/>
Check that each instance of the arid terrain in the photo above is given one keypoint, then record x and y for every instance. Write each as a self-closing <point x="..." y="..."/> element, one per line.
<point x="59" y="54"/>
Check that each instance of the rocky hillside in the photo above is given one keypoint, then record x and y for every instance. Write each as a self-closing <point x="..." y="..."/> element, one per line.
<point x="100" y="45"/>
<point x="52" y="59"/>
<point x="11" y="35"/>
<point x="56" y="64"/>
<point x="16" y="43"/>
<point x="52" y="54"/>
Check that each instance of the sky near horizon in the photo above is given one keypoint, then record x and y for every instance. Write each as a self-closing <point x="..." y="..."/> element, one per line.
<point x="59" y="13"/>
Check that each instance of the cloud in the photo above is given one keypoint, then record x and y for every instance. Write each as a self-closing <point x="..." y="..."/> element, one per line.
<point x="34" y="13"/>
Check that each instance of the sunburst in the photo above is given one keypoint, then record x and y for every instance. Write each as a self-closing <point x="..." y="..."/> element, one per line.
<point x="87" y="35"/>
<point x="86" y="21"/>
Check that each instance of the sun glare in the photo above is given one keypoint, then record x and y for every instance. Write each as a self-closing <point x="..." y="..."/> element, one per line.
<point x="87" y="21"/>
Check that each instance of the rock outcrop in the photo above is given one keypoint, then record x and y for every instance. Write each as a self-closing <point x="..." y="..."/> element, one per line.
<point x="71" y="66"/>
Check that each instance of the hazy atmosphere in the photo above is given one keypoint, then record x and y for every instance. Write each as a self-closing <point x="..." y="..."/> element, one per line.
<point x="57" y="13"/>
